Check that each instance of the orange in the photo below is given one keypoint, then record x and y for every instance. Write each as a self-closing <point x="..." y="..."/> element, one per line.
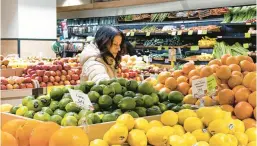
<point x="245" y="73"/>
<point x="243" y="110"/>
<point x="235" y="89"/>
<point x="248" y="58"/>
<point x="193" y="78"/>
<point x="207" y="100"/>
<point x="183" y="88"/>
<point x="187" y="67"/>
<point x="241" y="58"/>
<point x="232" y="60"/>
<point x="227" y="108"/>
<point x="223" y="72"/>
<point x="12" y="126"/>
<point x="163" y="76"/>
<point x="182" y="79"/>
<point x="215" y="61"/>
<point x="252" y="99"/>
<point x="158" y="86"/>
<point x="190" y="90"/>
<point x="171" y="83"/>
<point x="69" y="136"/>
<point x="248" y="78"/>
<point x="242" y="94"/>
<point x="41" y="134"/>
<point x="224" y="81"/>
<point x="254" y="113"/>
<point x="167" y="90"/>
<point x="193" y="73"/>
<point x="249" y="123"/>
<point x="224" y="59"/>
<point x="235" y="80"/>
<point x="246" y="65"/>
<point x="214" y="67"/>
<point x="177" y="73"/>
<point x="23" y="132"/>
<point x="252" y="85"/>
<point x="235" y="67"/>
<point x="237" y="73"/>
<point x="206" y="71"/>
<point x="7" y="139"/>
<point x="224" y="86"/>
<point x="226" y="96"/>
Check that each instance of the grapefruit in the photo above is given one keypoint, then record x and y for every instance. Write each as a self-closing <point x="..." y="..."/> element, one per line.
<point x="252" y="99"/>
<point x="171" y="83"/>
<point x="235" y="80"/>
<point x="193" y="73"/>
<point x="214" y="67"/>
<point x="249" y="123"/>
<point x="235" y="67"/>
<point x="224" y="59"/>
<point x="187" y="67"/>
<point x="12" y="126"/>
<point x="206" y="71"/>
<point x="177" y="73"/>
<point x="236" y="88"/>
<point x="158" y="86"/>
<point x="163" y="76"/>
<point x="215" y="62"/>
<point x="248" y="78"/>
<point x="7" y="139"/>
<point x="237" y="73"/>
<point x="243" y="110"/>
<point x="242" y="95"/>
<point x="252" y="85"/>
<point x="226" y="96"/>
<point x="241" y="58"/>
<point x="227" y="107"/>
<point x="181" y="79"/>
<point x="246" y="65"/>
<point x="223" y="72"/>
<point x="231" y="60"/>
<point x="183" y="88"/>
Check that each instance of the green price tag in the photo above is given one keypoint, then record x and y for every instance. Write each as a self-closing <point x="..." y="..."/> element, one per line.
<point x="246" y="45"/>
<point x="128" y="34"/>
<point x="159" y="48"/>
<point x="179" y="32"/>
<point x="166" y="47"/>
<point x="247" y="35"/>
<point x="148" y="33"/>
<point x="204" y="32"/>
<point x="190" y="32"/>
<point x="194" y="48"/>
<point x="211" y="84"/>
<point x="132" y="34"/>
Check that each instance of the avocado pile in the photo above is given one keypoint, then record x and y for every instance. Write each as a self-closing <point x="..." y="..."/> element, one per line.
<point x="110" y="99"/>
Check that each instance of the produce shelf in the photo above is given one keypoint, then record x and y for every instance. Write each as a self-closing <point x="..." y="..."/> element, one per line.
<point x="168" y="34"/>
<point x="239" y="24"/>
<point x="73" y="51"/>
<point x="252" y="36"/>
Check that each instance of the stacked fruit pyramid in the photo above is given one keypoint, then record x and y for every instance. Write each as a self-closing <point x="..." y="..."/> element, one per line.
<point x="207" y="126"/>
<point x="110" y="99"/>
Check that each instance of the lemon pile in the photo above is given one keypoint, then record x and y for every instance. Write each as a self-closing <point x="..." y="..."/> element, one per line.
<point x="208" y="126"/>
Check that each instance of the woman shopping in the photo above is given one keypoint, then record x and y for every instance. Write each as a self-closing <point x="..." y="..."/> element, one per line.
<point x="101" y="58"/>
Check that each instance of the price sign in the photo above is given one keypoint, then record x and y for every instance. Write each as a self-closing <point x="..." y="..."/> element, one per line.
<point x="132" y="33"/>
<point x="148" y="33"/>
<point x="247" y="35"/>
<point x="200" y="32"/>
<point x="166" y="60"/>
<point x="159" y="48"/>
<point x="194" y="48"/>
<point x="204" y="32"/>
<point x="211" y="85"/>
<point x="166" y="47"/>
<point x="190" y="32"/>
<point x="173" y="33"/>
<point x="179" y="32"/>
<point x="204" y="86"/>
<point x="128" y="34"/>
<point x="81" y="99"/>
<point x="246" y="45"/>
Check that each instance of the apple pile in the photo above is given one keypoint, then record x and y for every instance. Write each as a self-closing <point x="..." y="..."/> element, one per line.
<point x="15" y="82"/>
<point x="57" y="73"/>
<point x="4" y="62"/>
<point x="129" y="74"/>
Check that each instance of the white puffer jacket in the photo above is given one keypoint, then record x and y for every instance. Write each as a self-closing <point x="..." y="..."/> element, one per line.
<point x="94" y="67"/>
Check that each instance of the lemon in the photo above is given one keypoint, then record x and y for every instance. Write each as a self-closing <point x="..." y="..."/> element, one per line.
<point x="176" y="140"/>
<point x="219" y="139"/>
<point x="127" y="120"/>
<point x="231" y="126"/>
<point x="201" y="143"/>
<point x="184" y="114"/>
<point x="239" y="126"/>
<point x="142" y="124"/>
<point x="233" y="140"/>
<point x="155" y="123"/>
<point x="202" y="135"/>
<point x="189" y="139"/>
<point x="253" y="143"/>
<point x="5" y="107"/>
<point x="137" y="138"/>
<point x="192" y="123"/>
<point x="98" y="142"/>
<point x="169" y="118"/>
<point x="242" y="138"/>
<point x="251" y="133"/>
<point x="168" y="130"/>
<point x="106" y="136"/>
<point x="218" y="126"/>
<point x="211" y="114"/>
<point x="157" y="136"/>
<point x="22" y="110"/>
<point x="118" y="134"/>
<point x="189" y="99"/>
<point x="178" y="130"/>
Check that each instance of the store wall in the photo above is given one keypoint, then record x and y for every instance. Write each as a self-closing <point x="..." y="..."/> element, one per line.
<point x="61" y="3"/>
<point x="9" y="47"/>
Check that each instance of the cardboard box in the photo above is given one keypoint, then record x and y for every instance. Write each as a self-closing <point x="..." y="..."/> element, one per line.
<point x="7" y="72"/>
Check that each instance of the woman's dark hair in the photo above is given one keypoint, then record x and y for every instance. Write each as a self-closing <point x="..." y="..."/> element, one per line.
<point x="104" y="39"/>
<point x="128" y="48"/>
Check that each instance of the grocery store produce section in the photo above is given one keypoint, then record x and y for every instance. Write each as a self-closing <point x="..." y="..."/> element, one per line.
<point x="192" y="82"/>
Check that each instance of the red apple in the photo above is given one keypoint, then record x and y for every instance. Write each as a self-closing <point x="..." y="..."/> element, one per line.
<point x="40" y="72"/>
<point x="64" y="72"/>
<point x="42" y="84"/>
<point x="33" y="67"/>
<point x="39" y="79"/>
<point x="61" y="83"/>
<point x="16" y="86"/>
<point x="22" y="86"/>
<point x="75" y="77"/>
<point x="4" y="81"/>
<point x="27" y="76"/>
<point x="49" y="84"/>
<point x="45" y="79"/>
<point x="59" y="67"/>
<point x="48" y="73"/>
<point x="53" y="73"/>
<point x="58" y="73"/>
<point x="53" y="68"/>
<point x="68" y="77"/>
<point x="29" y="70"/>
<point x="38" y="67"/>
<point x="3" y="87"/>
<point x="63" y="77"/>
<point x="51" y="79"/>
<point x="9" y="87"/>
<point x="27" y="80"/>
<point x="66" y="82"/>
<point x="56" y="83"/>
<point x="11" y="81"/>
<point x="32" y="72"/>
<point x="70" y="72"/>
<point x="40" y="63"/>
<point x="19" y="80"/>
<point x="66" y="67"/>
<point x="57" y="78"/>
<point x="44" y="67"/>
<point x="34" y="76"/>
<point x="73" y="82"/>
<point x="78" y="82"/>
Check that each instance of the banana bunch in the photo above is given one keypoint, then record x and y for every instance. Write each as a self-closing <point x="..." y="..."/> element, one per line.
<point x="207" y="42"/>
<point x="204" y="57"/>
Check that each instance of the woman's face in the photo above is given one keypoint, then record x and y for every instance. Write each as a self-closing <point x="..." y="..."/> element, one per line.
<point x="115" y="47"/>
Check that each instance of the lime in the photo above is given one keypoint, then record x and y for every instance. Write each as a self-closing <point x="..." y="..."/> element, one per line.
<point x="176" y="108"/>
<point x="84" y="121"/>
<point x="133" y="114"/>
<point x="97" y="88"/>
<point x="63" y="102"/>
<point x="139" y="95"/>
<point x="108" y="118"/>
<point x="116" y="114"/>
<point x="88" y="85"/>
<point x="116" y="99"/>
<point x="29" y="114"/>
<point x="26" y="99"/>
<point x="109" y="90"/>
<point x="186" y="106"/>
<point x="165" y="102"/>
<point x="132" y="85"/>
<point x="171" y="105"/>
<point x="96" y="107"/>
<point x="103" y="82"/>
<point x="145" y="88"/>
<point x="82" y="87"/>
<point x="72" y="114"/>
<point x="56" y="118"/>
<point x="141" y="111"/>
<point x="122" y="81"/>
<point x="127" y="103"/>
<point x="54" y="105"/>
<point x="148" y="100"/>
<point x="105" y="101"/>
<point x="45" y="100"/>
<point x="69" y="121"/>
<point x="34" y="105"/>
<point x="47" y="110"/>
<point x="175" y="97"/>
<point x="72" y="107"/>
<point x="66" y="88"/>
<point x="129" y="94"/>
<point x="84" y="113"/>
<point x="117" y="87"/>
<point x="123" y="90"/>
<point x="94" y="117"/>
<point x="155" y="98"/>
<point x="14" y="109"/>
<point x="66" y="95"/>
<point x="106" y="112"/>
<point x="139" y="101"/>
<point x="22" y="110"/>
<point x="42" y="116"/>
<point x="93" y="96"/>
<point x="59" y="112"/>
<point x="163" y="107"/>
<point x="56" y="93"/>
<point x="163" y="96"/>
<point x="112" y="81"/>
<point x="154" y="110"/>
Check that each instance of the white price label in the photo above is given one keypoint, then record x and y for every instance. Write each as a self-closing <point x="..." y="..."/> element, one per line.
<point x="199" y="87"/>
<point x="81" y="99"/>
<point x="173" y="33"/>
<point x="150" y="59"/>
<point x="200" y="32"/>
<point x="166" y="60"/>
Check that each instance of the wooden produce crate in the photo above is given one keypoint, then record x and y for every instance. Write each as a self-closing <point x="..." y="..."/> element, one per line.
<point x="94" y="131"/>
